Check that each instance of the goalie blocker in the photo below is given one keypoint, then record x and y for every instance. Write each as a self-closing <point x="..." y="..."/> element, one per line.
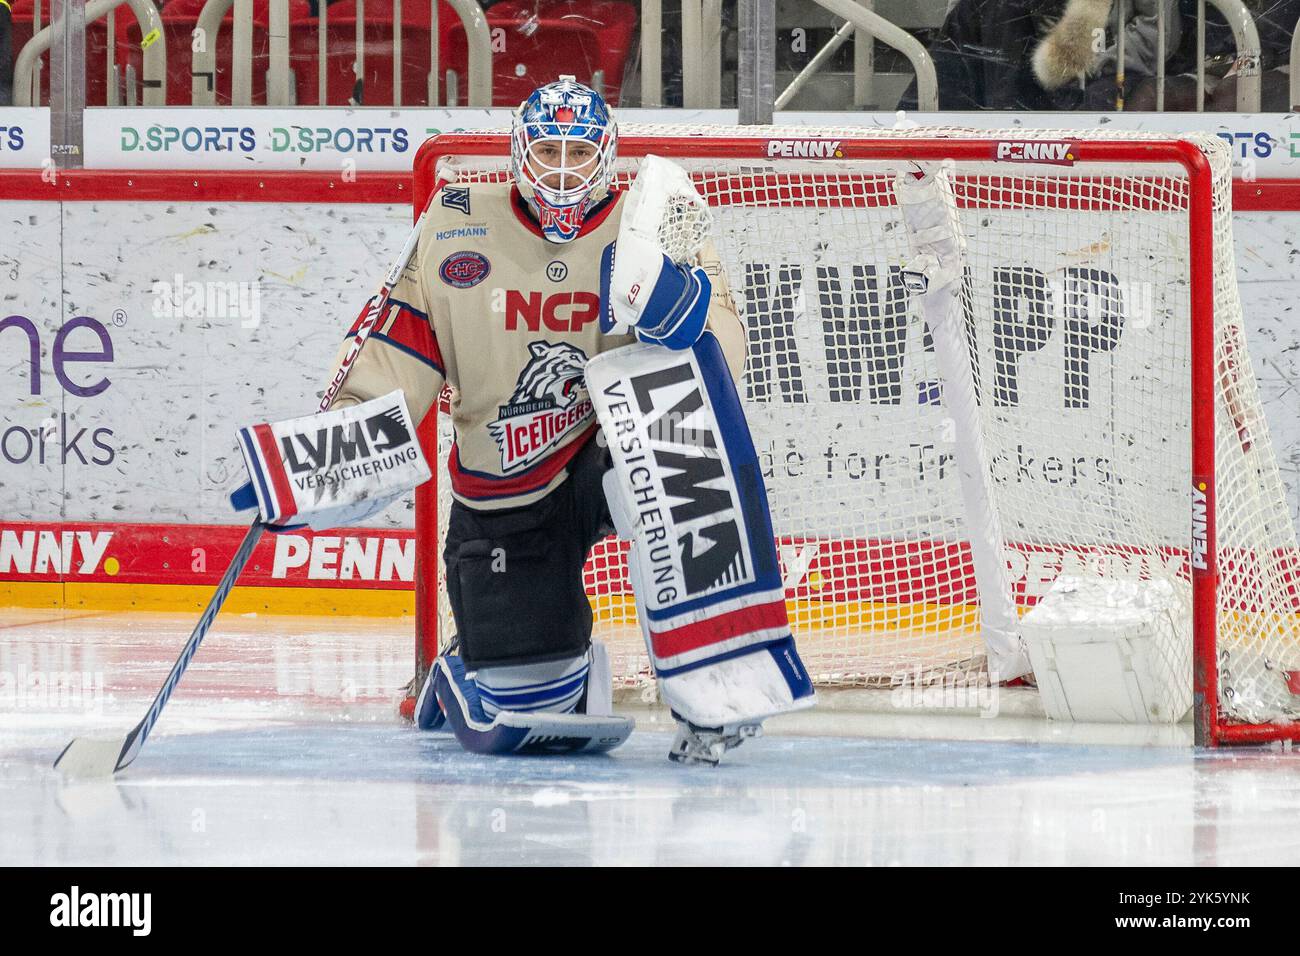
<point x="333" y="468"/>
<point x="687" y="490"/>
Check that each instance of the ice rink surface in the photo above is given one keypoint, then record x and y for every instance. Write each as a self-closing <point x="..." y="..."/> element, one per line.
<point x="283" y="746"/>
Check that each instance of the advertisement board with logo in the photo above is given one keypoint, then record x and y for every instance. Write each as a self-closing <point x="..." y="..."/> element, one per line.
<point x="137" y="336"/>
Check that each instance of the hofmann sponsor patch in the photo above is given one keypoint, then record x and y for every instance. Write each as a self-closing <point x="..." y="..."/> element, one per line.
<point x="461" y="232"/>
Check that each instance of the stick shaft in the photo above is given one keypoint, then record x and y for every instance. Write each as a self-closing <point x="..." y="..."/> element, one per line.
<point x="373" y="314"/>
<point x="135" y="740"/>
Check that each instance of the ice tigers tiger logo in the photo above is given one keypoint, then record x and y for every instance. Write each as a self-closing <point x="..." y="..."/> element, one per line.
<point x="549" y="404"/>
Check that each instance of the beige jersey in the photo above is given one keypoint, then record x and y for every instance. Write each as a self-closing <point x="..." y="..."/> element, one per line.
<point x="508" y="320"/>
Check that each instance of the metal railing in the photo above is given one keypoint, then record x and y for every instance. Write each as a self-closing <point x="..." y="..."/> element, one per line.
<point x="867" y="25"/>
<point x="701" y="54"/>
<point x="280" y="89"/>
<point x="1246" y="37"/>
<point x="154" y="82"/>
<point x="1295" y="67"/>
<point x="6" y="54"/>
<point x="652" y="53"/>
<point x="1246" y="59"/>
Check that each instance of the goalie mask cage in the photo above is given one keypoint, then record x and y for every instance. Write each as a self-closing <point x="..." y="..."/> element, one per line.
<point x="1116" y="428"/>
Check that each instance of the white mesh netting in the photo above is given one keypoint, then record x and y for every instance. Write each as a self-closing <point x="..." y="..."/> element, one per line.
<point x="1077" y="299"/>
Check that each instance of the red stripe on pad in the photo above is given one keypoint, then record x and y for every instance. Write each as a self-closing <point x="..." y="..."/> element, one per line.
<point x="275" y="470"/>
<point x="715" y="630"/>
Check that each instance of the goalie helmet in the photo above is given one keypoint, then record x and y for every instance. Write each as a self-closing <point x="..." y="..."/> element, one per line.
<point x="562" y="146"/>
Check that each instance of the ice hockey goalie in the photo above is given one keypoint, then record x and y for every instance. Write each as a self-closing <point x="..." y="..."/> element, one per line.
<point x="514" y="289"/>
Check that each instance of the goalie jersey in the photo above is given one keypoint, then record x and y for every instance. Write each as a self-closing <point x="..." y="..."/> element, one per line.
<point x="508" y="320"/>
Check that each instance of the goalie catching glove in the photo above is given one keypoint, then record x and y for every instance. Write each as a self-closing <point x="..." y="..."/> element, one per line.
<point x="331" y="469"/>
<point x="671" y="313"/>
<point x="645" y="282"/>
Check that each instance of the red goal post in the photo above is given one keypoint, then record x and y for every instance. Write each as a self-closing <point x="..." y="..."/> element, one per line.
<point x="755" y="154"/>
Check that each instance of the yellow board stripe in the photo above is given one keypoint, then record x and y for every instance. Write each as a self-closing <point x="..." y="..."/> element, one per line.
<point x="612" y="609"/>
<point x="362" y="602"/>
<point x="335" y="602"/>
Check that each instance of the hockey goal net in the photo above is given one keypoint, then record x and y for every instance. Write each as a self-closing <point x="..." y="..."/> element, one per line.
<point x="1117" y="412"/>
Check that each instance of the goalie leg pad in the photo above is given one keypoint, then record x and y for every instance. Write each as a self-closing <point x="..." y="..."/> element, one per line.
<point x="703" y="561"/>
<point x="514" y="732"/>
<point x="584" y="685"/>
<point x="428" y="715"/>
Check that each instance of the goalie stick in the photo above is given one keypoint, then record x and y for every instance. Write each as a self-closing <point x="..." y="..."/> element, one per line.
<point x="100" y="757"/>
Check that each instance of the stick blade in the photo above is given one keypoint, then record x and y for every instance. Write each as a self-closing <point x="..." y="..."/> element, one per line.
<point x="90" y="757"/>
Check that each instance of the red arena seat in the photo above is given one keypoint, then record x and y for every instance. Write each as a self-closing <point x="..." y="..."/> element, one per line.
<point x="375" y="86"/>
<point x="539" y="41"/>
<point x="180" y="17"/>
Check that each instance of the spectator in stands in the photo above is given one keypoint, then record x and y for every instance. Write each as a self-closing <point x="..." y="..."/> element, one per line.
<point x="1274" y="19"/>
<point x="1044" y="54"/>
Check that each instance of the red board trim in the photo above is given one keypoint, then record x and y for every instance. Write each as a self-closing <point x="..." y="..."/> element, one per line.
<point x="145" y="185"/>
<point x="207" y="185"/>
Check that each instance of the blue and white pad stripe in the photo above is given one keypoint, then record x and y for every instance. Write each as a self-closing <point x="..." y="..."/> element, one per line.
<point x="552" y="686"/>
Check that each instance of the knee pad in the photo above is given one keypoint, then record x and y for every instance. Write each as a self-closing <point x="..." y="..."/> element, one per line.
<point x="518" y="599"/>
